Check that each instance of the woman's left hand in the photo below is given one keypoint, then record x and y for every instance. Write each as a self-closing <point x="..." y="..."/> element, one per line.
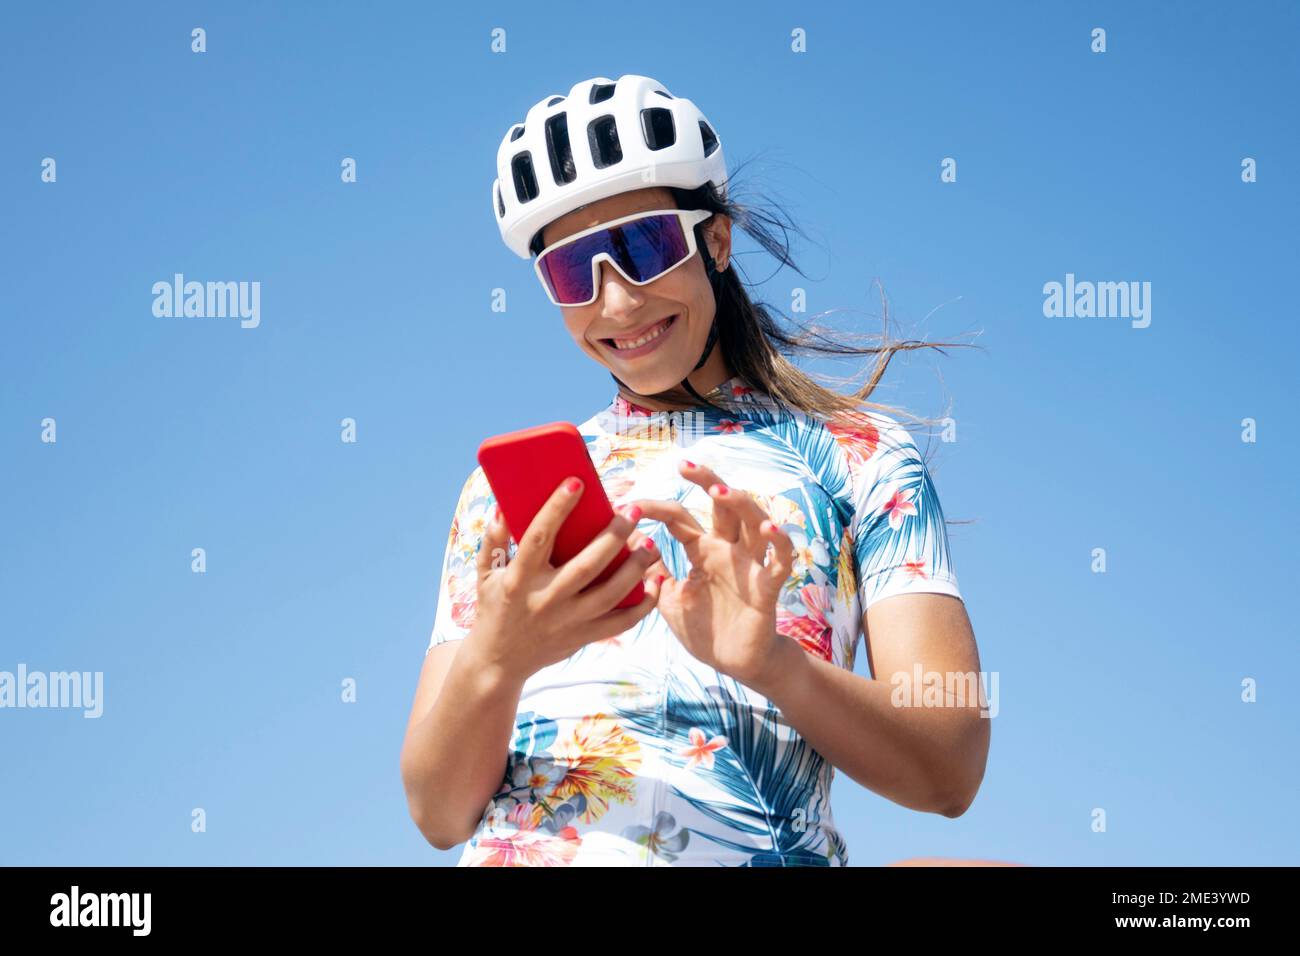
<point x="724" y="612"/>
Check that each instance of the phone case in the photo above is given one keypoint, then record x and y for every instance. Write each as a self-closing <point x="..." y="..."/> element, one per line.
<point x="525" y="467"/>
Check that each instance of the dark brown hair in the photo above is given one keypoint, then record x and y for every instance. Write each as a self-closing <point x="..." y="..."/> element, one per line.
<point x="758" y="348"/>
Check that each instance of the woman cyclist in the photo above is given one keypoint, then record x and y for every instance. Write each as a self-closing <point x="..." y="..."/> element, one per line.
<point x="772" y="520"/>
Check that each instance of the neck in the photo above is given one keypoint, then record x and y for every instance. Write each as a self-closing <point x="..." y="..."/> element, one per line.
<point x="703" y="380"/>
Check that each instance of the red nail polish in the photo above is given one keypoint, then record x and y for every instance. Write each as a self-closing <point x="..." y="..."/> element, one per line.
<point x="648" y="544"/>
<point x="720" y="489"/>
<point x="632" y="512"/>
<point x="688" y="464"/>
<point x="573" y="484"/>
<point x="659" y="579"/>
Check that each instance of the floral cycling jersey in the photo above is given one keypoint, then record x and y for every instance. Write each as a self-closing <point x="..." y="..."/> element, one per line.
<point x="631" y="752"/>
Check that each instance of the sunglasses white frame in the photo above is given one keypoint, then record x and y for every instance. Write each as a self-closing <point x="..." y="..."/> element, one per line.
<point x="688" y="218"/>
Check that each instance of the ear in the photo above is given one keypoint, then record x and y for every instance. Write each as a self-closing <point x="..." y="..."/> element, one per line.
<point x="717" y="233"/>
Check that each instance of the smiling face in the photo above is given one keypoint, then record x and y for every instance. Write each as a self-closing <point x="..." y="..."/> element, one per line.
<point x="649" y="336"/>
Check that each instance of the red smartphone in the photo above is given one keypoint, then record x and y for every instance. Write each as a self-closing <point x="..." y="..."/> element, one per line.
<point x="525" y="467"/>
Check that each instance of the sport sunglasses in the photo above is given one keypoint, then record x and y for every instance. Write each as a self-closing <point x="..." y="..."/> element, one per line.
<point x="642" y="247"/>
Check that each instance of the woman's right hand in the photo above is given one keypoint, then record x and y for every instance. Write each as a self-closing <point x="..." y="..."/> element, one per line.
<point x="530" y="614"/>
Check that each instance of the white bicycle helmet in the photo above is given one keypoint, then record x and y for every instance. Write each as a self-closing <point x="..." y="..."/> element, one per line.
<point x="605" y="137"/>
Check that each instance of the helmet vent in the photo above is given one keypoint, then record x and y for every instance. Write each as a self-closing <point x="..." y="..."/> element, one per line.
<point x="557" y="147"/>
<point x="602" y="135"/>
<point x="596" y="138"/>
<point x="657" y="125"/>
<point x="525" y="181"/>
<point x="710" y="139"/>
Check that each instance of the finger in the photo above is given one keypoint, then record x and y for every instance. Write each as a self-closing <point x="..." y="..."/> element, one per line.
<point x="681" y="524"/>
<point x="746" y="514"/>
<point x="725" y="525"/>
<point x="585" y="566"/>
<point x="781" y="564"/>
<point x="656" y="581"/>
<point x="638" y="541"/>
<point x="602" y="597"/>
<point x="494" y="546"/>
<point x="675" y="515"/>
<point x="725" y="522"/>
<point x="702" y="475"/>
<point x="656" y="569"/>
<point x="538" y="540"/>
<point x="624" y="619"/>
<point x="621" y="619"/>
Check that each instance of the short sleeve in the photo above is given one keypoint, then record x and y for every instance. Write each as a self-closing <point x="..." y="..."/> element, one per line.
<point x="900" y="541"/>
<point x="458" y="579"/>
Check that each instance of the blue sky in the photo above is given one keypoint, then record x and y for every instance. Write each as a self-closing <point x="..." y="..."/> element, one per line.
<point x="1119" y="690"/>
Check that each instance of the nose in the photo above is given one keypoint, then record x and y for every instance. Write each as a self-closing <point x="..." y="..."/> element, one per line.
<point x="618" y="297"/>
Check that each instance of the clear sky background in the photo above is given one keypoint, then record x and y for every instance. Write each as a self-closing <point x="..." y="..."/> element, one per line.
<point x="1119" y="691"/>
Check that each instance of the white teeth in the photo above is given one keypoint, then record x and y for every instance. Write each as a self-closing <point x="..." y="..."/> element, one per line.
<point x="654" y="333"/>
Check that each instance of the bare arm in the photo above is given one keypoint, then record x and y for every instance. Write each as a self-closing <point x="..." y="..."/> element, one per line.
<point x="459" y="732"/>
<point x="927" y="758"/>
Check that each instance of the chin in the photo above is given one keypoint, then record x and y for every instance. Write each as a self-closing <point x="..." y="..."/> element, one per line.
<point x="645" y="378"/>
